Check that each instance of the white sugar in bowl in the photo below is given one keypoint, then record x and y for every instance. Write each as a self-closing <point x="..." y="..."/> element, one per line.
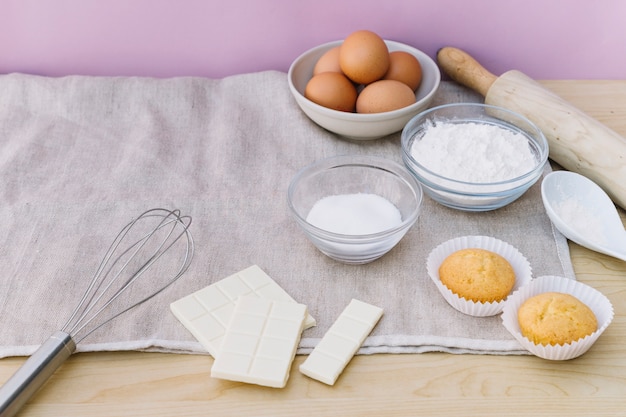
<point x="354" y="209"/>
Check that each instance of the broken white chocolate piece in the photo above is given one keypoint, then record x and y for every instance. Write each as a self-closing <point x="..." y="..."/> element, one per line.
<point x="207" y="312"/>
<point x="260" y="342"/>
<point x="339" y="344"/>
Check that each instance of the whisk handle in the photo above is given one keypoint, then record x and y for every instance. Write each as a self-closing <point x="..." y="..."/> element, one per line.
<point x="35" y="372"/>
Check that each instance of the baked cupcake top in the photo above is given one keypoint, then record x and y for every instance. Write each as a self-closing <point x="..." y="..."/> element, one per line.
<point x="554" y="318"/>
<point x="477" y="275"/>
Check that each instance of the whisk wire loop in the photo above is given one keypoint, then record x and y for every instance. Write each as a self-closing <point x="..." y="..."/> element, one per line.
<point x="93" y="302"/>
<point x="171" y="229"/>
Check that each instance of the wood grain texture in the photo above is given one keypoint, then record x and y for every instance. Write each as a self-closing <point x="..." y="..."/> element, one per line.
<point x="151" y="384"/>
<point x="577" y="141"/>
<point x="465" y="70"/>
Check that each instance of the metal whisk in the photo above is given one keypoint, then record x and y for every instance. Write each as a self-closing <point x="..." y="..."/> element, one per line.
<point x="117" y="286"/>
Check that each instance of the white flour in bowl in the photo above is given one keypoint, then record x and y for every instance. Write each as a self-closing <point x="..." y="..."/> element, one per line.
<point x="474" y="152"/>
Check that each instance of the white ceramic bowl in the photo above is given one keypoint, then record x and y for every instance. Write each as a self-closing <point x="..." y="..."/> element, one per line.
<point x="345" y="175"/>
<point x="362" y="126"/>
<point x="465" y="195"/>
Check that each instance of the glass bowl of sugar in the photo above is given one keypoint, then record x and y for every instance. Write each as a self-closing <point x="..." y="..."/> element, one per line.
<point x="472" y="156"/>
<point x="354" y="208"/>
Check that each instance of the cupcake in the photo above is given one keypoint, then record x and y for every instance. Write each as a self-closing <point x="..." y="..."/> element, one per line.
<point x="555" y="318"/>
<point x="560" y="300"/>
<point x="475" y="274"/>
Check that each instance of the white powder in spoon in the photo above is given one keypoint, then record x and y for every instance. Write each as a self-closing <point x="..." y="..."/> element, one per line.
<point x="473" y="152"/>
<point x="581" y="220"/>
<point x="354" y="214"/>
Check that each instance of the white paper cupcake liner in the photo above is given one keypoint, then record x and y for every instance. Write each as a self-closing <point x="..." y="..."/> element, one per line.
<point x="594" y="299"/>
<point x="523" y="271"/>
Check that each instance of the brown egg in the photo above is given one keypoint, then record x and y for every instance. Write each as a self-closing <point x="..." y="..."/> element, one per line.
<point x="364" y="57"/>
<point x="333" y="90"/>
<point x="384" y="95"/>
<point x="329" y="62"/>
<point x="404" y="67"/>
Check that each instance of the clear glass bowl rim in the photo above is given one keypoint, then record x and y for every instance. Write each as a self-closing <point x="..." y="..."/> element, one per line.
<point x="370" y="161"/>
<point x="406" y="137"/>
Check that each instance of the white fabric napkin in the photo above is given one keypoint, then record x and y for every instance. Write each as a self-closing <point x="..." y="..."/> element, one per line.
<point x="80" y="156"/>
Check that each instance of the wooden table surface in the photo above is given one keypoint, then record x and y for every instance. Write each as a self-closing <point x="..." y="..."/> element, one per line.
<point x="151" y="384"/>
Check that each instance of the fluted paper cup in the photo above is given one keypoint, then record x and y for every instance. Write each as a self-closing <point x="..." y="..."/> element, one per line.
<point x="594" y="299"/>
<point x="521" y="267"/>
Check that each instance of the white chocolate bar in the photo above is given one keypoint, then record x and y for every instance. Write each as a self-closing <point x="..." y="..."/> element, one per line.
<point x="260" y="342"/>
<point x="207" y="312"/>
<point x="339" y="344"/>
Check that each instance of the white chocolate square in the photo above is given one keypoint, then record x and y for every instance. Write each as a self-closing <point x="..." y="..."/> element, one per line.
<point x="207" y="312"/>
<point x="339" y="344"/>
<point x="254" y="350"/>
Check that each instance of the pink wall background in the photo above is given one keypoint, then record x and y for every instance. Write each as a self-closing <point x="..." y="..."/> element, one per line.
<point x="546" y="39"/>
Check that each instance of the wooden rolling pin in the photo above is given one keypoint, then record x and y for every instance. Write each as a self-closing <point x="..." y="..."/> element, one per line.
<point x="577" y="141"/>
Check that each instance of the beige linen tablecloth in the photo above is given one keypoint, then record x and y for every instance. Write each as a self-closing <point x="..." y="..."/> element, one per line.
<point x="80" y="156"/>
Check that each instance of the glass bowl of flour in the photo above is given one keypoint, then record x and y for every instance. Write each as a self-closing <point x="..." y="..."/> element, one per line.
<point x="474" y="157"/>
<point x="354" y="208"/>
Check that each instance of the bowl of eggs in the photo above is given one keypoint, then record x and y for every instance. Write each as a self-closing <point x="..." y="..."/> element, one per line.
<point x="354" y="208"/>
<point x="363" y="87"/>
<point x="473" y="156"/>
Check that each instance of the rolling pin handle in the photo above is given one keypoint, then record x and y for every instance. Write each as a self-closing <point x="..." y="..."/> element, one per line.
<point x="464" y="69"/>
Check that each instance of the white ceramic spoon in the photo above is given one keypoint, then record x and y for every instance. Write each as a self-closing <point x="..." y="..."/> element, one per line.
<point x="584" y="213"/>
